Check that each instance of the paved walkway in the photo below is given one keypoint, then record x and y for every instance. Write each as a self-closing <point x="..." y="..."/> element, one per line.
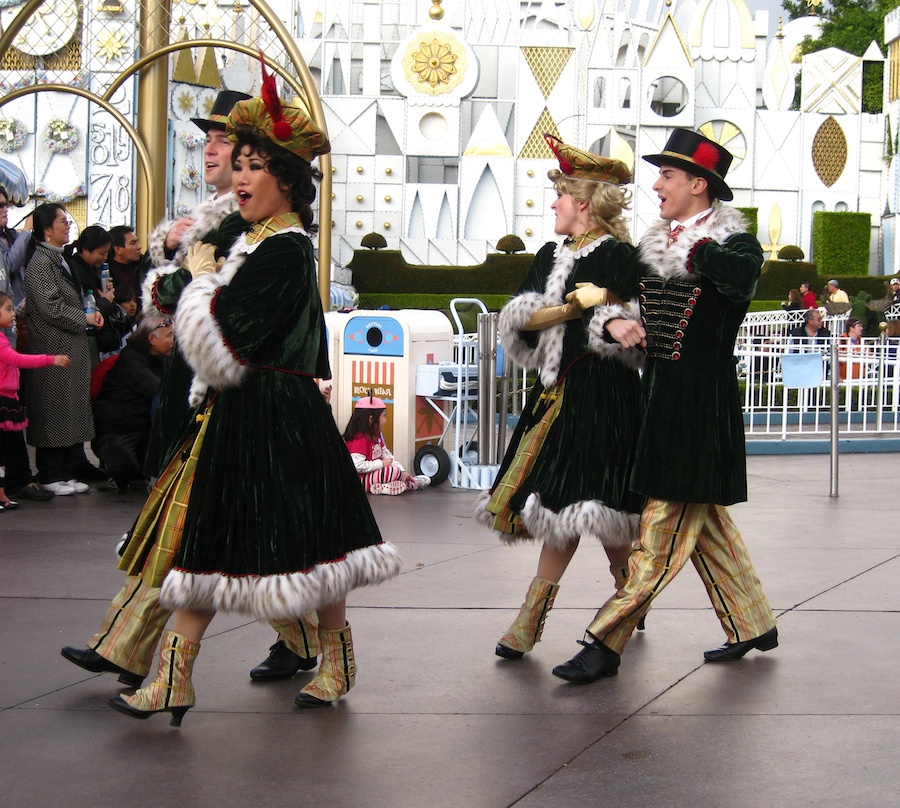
<point x="436" y="720"/>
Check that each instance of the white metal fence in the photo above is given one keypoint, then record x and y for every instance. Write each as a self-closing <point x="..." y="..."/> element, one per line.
<point x="865" y="378"/>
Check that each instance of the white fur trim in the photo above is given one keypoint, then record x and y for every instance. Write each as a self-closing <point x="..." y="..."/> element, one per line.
<point x="587" y="518"/>
<point x="199" y="336"/>
<point x="280" y="597"/>
<point x="481" y="514"/>
<point x="148" y="305"/>
<point x="514" y="316"/>
<point x="670" y="262"/>
<point x="632" y="357"/>
<point x="156" y="242"/>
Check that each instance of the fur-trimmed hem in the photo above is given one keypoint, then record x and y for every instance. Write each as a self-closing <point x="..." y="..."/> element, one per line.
<point x="597" y="342"/>
<point x="581" y="519"/>
<point x="481" y="514"/>
<point x="280" y="597"/>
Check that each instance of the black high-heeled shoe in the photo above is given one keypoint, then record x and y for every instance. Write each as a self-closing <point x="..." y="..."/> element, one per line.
<point x="508" y="653"/>
<point x="118" y="703"/>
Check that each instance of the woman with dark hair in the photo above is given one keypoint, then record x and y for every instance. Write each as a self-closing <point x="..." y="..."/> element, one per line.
<point x="851" y="350"/>
<point x="89" y="251"/>
<point x="289" y="528"/>
<point x="59" y="405"/>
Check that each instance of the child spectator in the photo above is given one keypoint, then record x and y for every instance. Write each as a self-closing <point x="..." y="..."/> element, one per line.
<point x="119" y="314"/>
<point x="378" y="471"/>
<point x="12" y="413"/>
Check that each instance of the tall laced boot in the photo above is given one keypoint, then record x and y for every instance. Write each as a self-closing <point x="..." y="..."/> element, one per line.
<point x="621" y="576"/>
<point x="337" y="672"/>
<point x="172" y="689"/>
<point x="528" y="626"/>
<point x="295" y="650"/>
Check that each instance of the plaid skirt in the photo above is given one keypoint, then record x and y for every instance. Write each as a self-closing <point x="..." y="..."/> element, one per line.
<point x="156" y="535"/>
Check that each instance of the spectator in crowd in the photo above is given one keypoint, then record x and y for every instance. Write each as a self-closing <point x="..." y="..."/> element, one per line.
<point x="126" y="265"/>
<point x="850" y="349"/>
<point x="836" y="294"/>
<point x="123" y="409"/>
<point x="895" y="290"/>
<point x="807" y="297"/>
<point x="794" y="303"/>
<point x="13" y="245"/>
<point x="812" y="331"/>
<point x="90" y="250"/>
<point x="59" y="407"/>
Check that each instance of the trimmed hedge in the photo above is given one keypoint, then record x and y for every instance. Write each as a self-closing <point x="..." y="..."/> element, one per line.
<point x="386" y="272"/>
<point x="840" y="242"/>
<point x="370" y="300"/>
<point x="752" y="217"/>
<point x="779" y="277"/>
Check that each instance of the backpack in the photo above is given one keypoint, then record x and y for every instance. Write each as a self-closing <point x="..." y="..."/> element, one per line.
<point x="99" y="374"/>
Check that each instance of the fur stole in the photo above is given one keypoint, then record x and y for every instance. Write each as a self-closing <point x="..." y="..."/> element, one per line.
<point x="208" y="215"/>
<point x="201" y="340"/>
<point x="672" y="262"/>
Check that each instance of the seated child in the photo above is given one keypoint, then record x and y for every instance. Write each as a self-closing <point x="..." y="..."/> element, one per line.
<point x="379" y="472"/>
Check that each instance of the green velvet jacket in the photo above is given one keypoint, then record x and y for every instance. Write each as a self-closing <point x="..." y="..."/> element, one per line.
<point x="693" y="297"/>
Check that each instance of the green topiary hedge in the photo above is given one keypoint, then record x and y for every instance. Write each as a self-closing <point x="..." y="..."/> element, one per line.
<point x="752" y="217"/>
<point x="840" y="242"/>
<point x="387" y="272"/>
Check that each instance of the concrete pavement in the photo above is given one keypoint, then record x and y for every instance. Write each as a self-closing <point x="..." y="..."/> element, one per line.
<point x="436" y="720"/>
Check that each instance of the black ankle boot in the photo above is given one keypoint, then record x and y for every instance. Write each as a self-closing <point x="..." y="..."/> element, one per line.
<point x="591" y="663"/>
<point x="282" y="663"/>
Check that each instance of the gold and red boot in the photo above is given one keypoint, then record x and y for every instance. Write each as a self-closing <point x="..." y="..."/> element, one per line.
<point x="337" y="671"/>
<point x="172" y="690"/>
<point x="528" y="626"/>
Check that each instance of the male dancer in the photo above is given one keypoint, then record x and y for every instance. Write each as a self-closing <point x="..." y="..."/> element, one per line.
<point x="695" y="273"/>
<point x="134" y="619"/>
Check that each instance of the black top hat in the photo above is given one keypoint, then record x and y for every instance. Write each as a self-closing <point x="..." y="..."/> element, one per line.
<point x="697" y="155"/>
<point x="217" y="119"/>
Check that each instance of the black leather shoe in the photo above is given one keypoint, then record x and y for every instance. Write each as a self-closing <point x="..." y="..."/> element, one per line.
<point x="90" y="660"/>
<point x="593" y="662"/>
<point x="507" y="652"/>
<point x="282" y="663"/>
<point x="735" y="650"/>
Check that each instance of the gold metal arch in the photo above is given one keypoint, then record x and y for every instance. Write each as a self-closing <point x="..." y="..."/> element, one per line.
<point x="307" y="90"/>
<point x="144" y="159"/>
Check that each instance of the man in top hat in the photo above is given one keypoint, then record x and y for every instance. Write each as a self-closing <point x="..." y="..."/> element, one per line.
<point x="695" y="273"/>
<point x="134" y="619"/>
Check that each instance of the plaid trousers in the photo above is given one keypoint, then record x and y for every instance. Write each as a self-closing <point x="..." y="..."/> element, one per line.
<point x="672" y="532"/>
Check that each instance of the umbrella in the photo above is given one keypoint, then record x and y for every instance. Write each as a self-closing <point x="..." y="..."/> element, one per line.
<point x="12" y="178"/>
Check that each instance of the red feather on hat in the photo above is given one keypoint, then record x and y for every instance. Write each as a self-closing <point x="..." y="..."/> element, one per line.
<point x="706" y="155"/>
<point x="269" y="94"/>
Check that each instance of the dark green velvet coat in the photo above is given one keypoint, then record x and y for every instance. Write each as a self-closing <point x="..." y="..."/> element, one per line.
<point x="694" y="296"/>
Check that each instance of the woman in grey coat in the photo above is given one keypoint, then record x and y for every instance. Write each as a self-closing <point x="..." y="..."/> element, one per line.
<point x="59" y="404"/>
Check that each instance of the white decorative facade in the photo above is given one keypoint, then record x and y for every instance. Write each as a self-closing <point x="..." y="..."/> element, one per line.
<point x="436" y="111"/>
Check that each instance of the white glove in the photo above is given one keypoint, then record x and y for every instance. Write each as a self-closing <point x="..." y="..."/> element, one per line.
<point x="200" y="259"/>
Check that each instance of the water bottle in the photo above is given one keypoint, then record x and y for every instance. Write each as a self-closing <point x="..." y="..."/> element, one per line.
<point x="104" y="277"/>
<point x="90" y="306"/>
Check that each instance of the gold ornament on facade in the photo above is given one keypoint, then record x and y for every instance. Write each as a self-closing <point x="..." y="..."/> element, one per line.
<point x="185" y="102"/>
<point x="435" y="63"/>
<point x="547" y="65"/>
<point x="829" y="151"/>
<point x="109" y="45"/>
<point x="436" y="12"/>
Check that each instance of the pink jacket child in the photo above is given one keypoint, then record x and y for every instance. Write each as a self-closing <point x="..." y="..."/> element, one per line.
<point x="12" y="413"/>
<point x="378" y="471"/>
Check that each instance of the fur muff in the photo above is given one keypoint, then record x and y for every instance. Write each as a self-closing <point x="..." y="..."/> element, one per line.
<point x="280" y="597"/>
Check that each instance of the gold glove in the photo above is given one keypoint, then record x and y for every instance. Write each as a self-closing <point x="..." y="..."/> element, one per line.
<point x="200" y="259"/>
<point x="552" y="315"/>
<point x="586" y="296"/>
